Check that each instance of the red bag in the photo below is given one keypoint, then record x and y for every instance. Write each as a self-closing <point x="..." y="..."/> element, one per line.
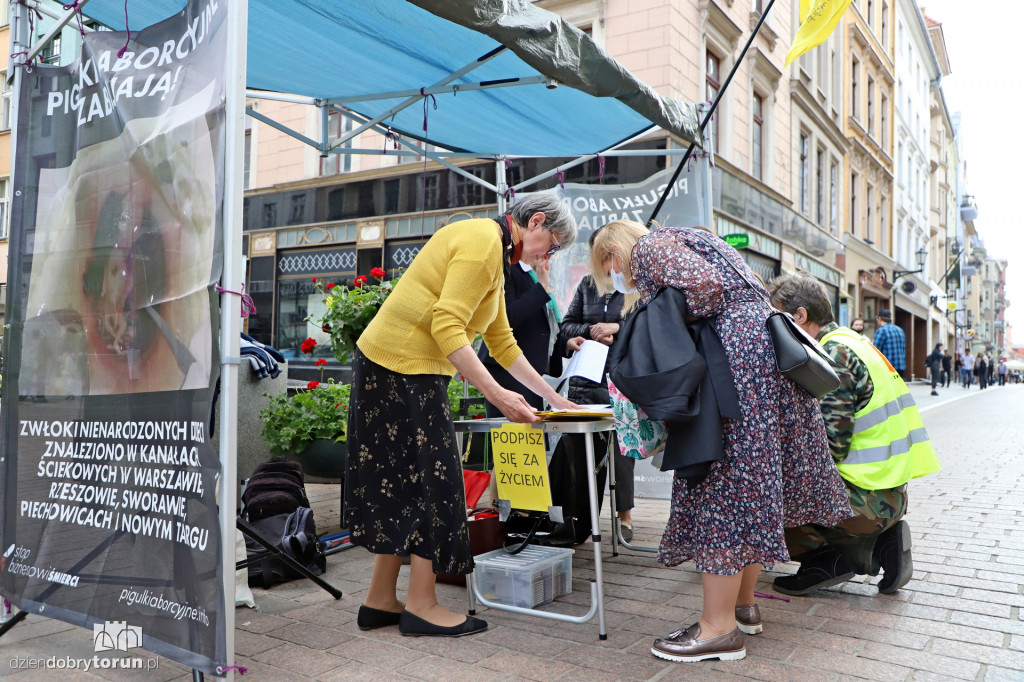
<point x="476" y="484"/>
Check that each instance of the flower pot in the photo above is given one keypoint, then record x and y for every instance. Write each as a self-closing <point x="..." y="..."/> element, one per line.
<point x="324" y="458"/>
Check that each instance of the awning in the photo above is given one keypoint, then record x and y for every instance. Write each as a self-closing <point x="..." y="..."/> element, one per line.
<point x="358" y="48"/>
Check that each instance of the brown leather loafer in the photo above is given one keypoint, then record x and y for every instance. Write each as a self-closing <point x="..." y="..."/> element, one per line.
<point x="748" y="619"/>
<point x="685" y="646"/>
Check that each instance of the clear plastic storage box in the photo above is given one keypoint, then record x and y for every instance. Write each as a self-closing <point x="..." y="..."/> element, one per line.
<point x="532" y="577"/>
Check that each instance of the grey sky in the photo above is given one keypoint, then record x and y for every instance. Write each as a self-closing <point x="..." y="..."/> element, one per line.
<point x="984" y="46"/>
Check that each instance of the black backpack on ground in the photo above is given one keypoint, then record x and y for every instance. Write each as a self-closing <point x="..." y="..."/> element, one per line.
<point x="275" y="487"/>
<point x="276" y="505"/>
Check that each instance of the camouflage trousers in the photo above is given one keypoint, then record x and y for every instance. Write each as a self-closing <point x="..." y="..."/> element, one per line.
<point x="874" y="511"/>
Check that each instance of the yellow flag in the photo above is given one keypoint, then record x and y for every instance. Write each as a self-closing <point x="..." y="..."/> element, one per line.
<point x="820" y="18"/>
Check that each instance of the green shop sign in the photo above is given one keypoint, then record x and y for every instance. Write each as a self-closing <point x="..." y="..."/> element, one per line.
<point x="737" y="241"/>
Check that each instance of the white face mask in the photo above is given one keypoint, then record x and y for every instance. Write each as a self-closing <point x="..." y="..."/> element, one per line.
<point x="619" y="282"/>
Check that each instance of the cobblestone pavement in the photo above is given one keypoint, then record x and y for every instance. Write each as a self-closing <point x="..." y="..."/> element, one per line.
<point x="959" y="619"/>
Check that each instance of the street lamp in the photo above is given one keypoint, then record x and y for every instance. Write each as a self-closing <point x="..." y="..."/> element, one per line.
<point x="922" y="255"/>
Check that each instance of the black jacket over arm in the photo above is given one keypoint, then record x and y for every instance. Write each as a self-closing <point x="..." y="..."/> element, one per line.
<point x="677" y="371"/>
<point x="525" y="305"/>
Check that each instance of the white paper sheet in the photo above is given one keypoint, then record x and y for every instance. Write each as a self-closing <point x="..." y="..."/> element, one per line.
<point x="588" y="362"/>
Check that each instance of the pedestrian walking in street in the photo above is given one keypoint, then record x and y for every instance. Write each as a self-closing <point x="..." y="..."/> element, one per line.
<point x="958" y="366"/>
<point x="404" y="490"/>
<point x="981" y="371"/>
<point x="776" y="470"/>
<point x="967" y="368"/>
<point x="872" y="411"/>
<point x="858" y="326"/>
<point x="947" y="368"/>
<point x="935" y="366"/>
<point x="1003" y="369"/>
<point x="891" y="340"/>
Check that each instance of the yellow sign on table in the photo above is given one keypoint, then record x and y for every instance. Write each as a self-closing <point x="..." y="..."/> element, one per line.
<point x="521" y="466"/>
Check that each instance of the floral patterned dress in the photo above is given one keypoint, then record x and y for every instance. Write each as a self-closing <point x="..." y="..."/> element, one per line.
<point x="404" y="492"/>
<point x="778" y="471"/>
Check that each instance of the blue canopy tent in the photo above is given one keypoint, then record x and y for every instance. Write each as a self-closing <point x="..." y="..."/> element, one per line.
<point x="356" y="52"/>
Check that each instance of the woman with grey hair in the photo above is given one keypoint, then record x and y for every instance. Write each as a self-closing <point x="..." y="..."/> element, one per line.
<point x="557" y="218"/>
<point x="404" y="489"/>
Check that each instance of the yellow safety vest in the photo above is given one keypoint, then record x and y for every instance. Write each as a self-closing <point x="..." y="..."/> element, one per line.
<point x="890" y="445"/>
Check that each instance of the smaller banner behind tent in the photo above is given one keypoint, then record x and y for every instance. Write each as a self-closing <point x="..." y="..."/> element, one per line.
<point x="594" y="206"/>
<point x="109" y="514"/>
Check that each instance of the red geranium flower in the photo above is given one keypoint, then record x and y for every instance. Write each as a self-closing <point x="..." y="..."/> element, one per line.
<point x="320" y="361"/>
<point x="325" y="328"/>
<point x="314" y="279"/>
<point x="313" y="384"/>
<point x="378" y="273"/>
<point x="361" y="280"/>
<point x="337" y="405"/>
<point x="329" y="286"/>
<point x="308" y="345"/>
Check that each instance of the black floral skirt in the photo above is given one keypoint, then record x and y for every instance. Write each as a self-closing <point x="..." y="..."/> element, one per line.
<point x="404" y="492"/>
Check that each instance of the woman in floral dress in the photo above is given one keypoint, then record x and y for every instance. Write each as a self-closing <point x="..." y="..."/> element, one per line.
<point x="777" y="471"/>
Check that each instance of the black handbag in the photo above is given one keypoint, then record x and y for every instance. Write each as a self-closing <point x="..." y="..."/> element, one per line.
<point x="797" y="355"/>
<point x="800" y="357"/>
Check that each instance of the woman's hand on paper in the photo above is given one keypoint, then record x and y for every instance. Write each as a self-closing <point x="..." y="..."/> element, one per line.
<point x="513" y="406"/>
<point x="560" y="403"/>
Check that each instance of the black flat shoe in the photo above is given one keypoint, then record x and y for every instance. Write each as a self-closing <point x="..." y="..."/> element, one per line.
<point x="371" y="619"/>
<point x="413" y="626"/>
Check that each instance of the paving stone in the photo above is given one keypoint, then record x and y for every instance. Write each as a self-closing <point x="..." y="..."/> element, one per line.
<point x="310" y="635"/>
<point x="300" y="660"/>
<point x="961" y="603"/>
<point x="987" y="622"/>
<point x="848" y="666"/>
<point x="895" y="637"/>
<point x="376" y="653"/>
<point x="1006" y="658"/>
<point x="954" y="668"/>
<point x="614" y="662"/>
<point x="525" y="666"/>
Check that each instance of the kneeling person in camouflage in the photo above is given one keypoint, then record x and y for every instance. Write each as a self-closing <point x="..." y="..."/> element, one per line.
<point x="878" y="442"/>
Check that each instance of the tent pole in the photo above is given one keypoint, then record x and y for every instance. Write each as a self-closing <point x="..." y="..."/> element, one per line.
<point x="711" y="111"/>
<point x="454" y="75"/>
<point x="230" y="318"/>
<point x="54" y="30"/>
<point x="501" y="178"/>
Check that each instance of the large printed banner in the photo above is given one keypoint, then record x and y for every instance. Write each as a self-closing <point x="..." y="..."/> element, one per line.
<point x="109" y="514"/>
<point x="596" y="205"/>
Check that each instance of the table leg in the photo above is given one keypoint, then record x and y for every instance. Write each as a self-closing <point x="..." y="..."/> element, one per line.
<point x="596" y="530"/>
<point x="610" y="463"/>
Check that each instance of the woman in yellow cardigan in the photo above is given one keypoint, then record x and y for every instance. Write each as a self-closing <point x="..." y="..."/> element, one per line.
<point x="404" y="489"/>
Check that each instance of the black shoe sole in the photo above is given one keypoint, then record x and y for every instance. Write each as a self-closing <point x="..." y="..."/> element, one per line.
<point x="904" y="543"/>
<point x="414" y="626"/>
<point x="817" y="586"/>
